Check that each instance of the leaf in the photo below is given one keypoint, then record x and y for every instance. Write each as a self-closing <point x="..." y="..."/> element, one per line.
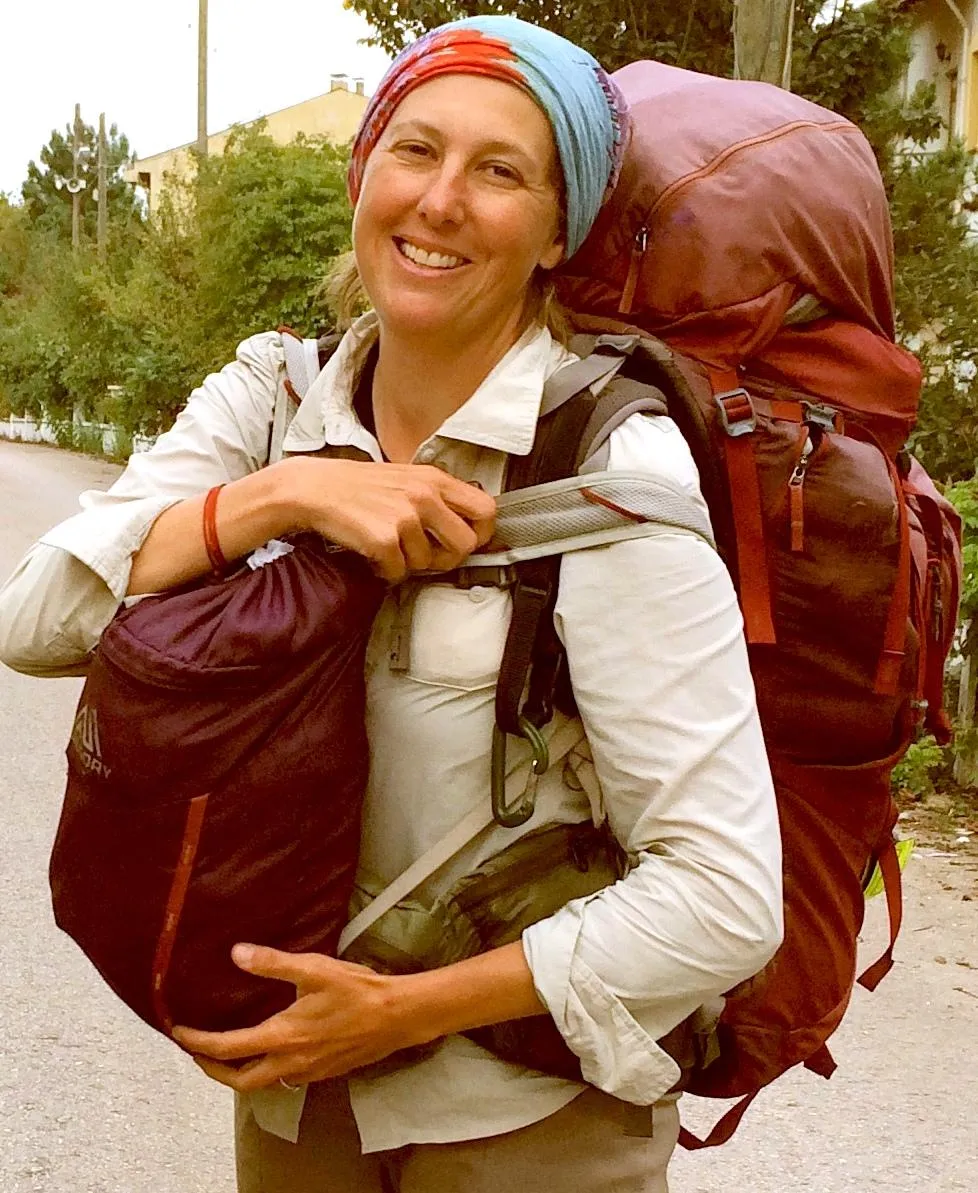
<point x="875" y="886"/>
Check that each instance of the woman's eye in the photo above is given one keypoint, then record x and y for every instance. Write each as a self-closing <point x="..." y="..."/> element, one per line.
<point x="504" y="172"/>
<point x="414" y="149"/>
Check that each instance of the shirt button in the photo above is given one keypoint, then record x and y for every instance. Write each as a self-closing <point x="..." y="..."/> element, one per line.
<point x="477" y="595"/>
<point x="427" y="454"/>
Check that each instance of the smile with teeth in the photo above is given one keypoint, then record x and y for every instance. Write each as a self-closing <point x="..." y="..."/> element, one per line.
<point x="422" y="257"/>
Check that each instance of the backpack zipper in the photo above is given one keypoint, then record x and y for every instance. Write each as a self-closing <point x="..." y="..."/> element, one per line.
<point x="639" y="246"/>
<point x="796" y="496"/>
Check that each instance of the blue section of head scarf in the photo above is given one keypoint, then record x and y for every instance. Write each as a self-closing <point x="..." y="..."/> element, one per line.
<point x="585" y="109"/>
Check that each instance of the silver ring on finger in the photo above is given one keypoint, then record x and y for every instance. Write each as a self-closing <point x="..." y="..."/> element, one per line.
<point x="287" y="1085"/>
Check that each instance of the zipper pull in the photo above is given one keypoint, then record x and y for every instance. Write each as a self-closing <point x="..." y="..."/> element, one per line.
<point x="639" y="245"/>
<point x="796" y="498"/>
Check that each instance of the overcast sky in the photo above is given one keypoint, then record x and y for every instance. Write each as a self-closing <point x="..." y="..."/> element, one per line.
<point x="137" y="62"/>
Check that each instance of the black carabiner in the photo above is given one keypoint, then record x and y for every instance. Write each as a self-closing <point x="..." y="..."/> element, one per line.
<point x="520" y="811"/>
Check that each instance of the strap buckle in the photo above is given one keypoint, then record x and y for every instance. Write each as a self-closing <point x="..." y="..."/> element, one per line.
<point x="623" y="344"/>
<point x="919" y="708"/>
<point x="736" y="412"/>
<point x="818" y="414"/>
<point x="520" y="810"/>
<point x="472" y="575"/>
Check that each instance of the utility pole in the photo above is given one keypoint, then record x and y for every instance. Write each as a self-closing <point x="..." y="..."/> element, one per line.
<point x="202" y="77"/>
<point x="103" y="198"/>
<point x="75" y="189"/>
<point x="762" y="40"/>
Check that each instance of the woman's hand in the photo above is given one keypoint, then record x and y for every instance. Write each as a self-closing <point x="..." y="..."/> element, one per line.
<point x="402" y="517"/>
<point x="344" y="1016"/>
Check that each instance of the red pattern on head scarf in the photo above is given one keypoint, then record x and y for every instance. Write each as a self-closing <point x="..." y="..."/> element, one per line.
<point x="449" y="51"/>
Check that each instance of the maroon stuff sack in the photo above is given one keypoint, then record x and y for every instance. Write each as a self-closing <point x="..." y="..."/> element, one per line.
<point x="215" y="778"/>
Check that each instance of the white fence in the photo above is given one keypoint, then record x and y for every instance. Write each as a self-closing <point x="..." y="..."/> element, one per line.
<point x="85" y="435"/>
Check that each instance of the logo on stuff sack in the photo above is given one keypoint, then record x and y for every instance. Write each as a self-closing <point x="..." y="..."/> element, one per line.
<point x="85" y="739"/>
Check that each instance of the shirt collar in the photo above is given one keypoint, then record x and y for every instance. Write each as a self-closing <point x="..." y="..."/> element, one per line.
<point x="501" y="414"/>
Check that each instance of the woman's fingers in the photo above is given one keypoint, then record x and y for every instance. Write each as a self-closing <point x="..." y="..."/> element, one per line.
<point x="402" y="517"/>
<point x="344" y="1017"/>
<point x="416" y="546"/>
<point x="472" y="504"/>
<point x="266" y="1073"/>
<point x="273" y="1035"/>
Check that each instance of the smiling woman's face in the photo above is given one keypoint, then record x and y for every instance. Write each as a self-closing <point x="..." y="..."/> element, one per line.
<point x="459" y="207"/>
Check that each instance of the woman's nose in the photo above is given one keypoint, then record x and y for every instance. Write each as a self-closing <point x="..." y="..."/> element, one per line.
<point x="443" y="200"/>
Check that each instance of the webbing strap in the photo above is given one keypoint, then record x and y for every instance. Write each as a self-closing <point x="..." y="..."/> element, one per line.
<point x="467" y="829"/>
<point x="895" y="634"/>
<point x="932" y="636"/>
<point x="533" y="598"/>
<point x="889" y="865"/>
<point x="567" y="432"/>
<point x="569" y="381"/>
<point x="745" y="499"/>
<point x="822" y="1063"/>
<point x="179" y="885"/>
<point x="736" y="413"/>
<point x="724" y="1129"/>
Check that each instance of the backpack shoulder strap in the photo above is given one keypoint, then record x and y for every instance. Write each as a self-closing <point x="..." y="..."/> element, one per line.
<point x="304" y="361"/>
<point x="582" y="404"/>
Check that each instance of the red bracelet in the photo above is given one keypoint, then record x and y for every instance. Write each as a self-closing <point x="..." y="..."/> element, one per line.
<point x="212" y="544"/>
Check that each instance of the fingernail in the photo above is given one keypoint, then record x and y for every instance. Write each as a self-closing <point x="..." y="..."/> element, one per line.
<point x="243" y="955"/>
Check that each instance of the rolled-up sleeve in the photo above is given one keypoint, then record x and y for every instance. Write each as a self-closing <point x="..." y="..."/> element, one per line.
<point x="660" y="672"/>
<point x="62" y="595"/>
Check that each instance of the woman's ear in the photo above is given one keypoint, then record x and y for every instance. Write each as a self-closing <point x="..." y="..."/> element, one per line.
<point x="553" y="254"/>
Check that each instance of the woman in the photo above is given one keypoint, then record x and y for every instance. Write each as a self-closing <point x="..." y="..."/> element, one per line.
<point x="481" y="164"/>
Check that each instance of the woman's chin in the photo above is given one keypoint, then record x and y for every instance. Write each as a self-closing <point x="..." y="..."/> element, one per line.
<point x="421" y="320"/>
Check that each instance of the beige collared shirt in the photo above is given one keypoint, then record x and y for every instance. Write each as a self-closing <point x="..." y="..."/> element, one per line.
<point x="668" y="721"/>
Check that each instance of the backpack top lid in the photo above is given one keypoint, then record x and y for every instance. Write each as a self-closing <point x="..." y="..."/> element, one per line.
<point x="746" y="198"/>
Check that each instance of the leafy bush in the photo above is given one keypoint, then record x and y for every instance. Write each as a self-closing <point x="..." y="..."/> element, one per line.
<point x="240" y="248"/>
<point x="914" y="774"/>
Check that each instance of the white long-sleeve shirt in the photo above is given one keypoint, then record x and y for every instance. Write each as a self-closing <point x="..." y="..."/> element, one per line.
<point x="667" y="714"/>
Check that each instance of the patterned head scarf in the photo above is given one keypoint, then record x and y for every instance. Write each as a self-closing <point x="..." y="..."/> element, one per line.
<point x="586" y="110"/>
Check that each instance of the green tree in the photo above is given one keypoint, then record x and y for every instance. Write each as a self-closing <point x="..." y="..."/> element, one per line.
<point x="695" y="34"/>
<point x="851" y="59"/>
<point x="267" y="219"/>
<point x="48" y="204"/>
<point x="937" y="302"/>
<point x="15" y="247"/>
<point x="240" y="248"/>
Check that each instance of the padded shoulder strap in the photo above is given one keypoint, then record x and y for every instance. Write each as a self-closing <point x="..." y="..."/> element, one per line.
<point x="582" y="404"/>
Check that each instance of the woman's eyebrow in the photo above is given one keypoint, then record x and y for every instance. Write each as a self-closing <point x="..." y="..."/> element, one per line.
<point x="406" y="127"/>
<point x="414" y="126"/>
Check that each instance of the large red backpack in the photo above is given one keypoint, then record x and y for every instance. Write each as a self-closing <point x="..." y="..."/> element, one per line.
<point x="748" y="244"/>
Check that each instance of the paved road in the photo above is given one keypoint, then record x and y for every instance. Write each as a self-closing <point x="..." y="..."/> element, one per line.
<point x="91" y="1101"/>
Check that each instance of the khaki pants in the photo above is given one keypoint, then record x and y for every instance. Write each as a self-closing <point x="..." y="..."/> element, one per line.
<point x="583" y="1148"/>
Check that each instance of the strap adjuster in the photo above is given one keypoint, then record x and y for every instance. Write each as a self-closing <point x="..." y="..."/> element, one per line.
<point x="736" y="412"/>
<point x="618" y="344"/>
<point x="818" y="414"/>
